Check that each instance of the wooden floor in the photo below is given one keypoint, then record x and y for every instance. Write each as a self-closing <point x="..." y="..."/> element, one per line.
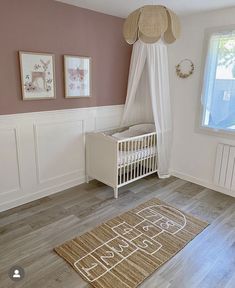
<point x="29" y="233"/>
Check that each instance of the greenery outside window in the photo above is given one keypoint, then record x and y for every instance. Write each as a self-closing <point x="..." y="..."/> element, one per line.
<point x="218" y="93"/>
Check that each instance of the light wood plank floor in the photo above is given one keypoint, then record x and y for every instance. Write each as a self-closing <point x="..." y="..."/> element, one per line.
<point x="29" y="233"/>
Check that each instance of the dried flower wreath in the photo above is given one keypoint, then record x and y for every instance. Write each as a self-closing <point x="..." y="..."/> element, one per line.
<point x="180" y="73"/>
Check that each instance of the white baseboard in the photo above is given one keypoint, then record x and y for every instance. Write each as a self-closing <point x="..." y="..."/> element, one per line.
<point x="40" y="194"/>
<point x="202" y="183"/>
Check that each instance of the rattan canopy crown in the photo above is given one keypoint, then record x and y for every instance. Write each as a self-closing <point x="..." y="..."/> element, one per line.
<point x="150" y="23"/>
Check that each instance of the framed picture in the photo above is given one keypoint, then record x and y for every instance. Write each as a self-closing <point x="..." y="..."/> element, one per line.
<point x="77" y="73"/>
<point x="37" y="75"/>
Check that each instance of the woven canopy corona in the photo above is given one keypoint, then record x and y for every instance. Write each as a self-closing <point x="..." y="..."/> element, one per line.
<point x="150" y="23"/>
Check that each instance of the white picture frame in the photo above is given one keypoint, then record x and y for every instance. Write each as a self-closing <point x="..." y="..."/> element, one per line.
<point x="77" y="76"/>
<point x="37" y="75"/>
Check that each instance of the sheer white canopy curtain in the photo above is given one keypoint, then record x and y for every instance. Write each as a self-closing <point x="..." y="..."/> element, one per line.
<point x="148" y="97"/>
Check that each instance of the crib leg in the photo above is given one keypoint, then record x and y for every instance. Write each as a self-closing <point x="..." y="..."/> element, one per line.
<point x="87" y="179"/>
<point x="115" y="193"/>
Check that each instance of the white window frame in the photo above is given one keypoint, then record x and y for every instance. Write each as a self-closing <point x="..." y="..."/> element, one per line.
<point x="199" y="126"/>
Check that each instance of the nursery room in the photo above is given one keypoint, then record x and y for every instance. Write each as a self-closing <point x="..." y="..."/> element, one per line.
<point x="117" y="144"/>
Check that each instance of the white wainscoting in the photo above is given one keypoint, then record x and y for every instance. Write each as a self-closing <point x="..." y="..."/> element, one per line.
<point x="42" y="153"/>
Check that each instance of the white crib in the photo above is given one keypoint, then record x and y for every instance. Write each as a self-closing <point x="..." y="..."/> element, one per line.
<point x="120" y="162"/>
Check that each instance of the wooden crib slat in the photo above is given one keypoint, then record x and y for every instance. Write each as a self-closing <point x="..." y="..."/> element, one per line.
<point x="146" y="156"/>
<point x="135" y="159"/>
<point x="128" y="159"/>
<point x="138" y="157"/>
<point x="149" y="154"/>
<point x="155" y="136"/>
<point x="124" y="164"/>
<point x="120" y="166"/>
<point x="121" y="162"/>
<point x="154" y="158"/>
<point x="146" y="161"/>
<point x="142" y="156"/>
<point x="132" y="159"/>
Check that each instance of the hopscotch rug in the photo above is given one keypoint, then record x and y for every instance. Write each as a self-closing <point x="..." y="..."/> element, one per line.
<point x="127" y="249"/>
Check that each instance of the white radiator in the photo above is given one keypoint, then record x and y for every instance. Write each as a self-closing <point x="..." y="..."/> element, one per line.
<point x="224" y="166"/>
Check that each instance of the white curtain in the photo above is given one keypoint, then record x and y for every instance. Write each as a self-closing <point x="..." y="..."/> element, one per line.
<point x="137" y="103"/>
<point x="148" y="97"/>
<point x="210" y="71"/>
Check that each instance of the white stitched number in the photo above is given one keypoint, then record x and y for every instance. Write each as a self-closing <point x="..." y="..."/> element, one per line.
<point x="167" y="224"/>
<point x="145" y="244"/>
<point x="146" y="228"/>
<point x="87" y="270"/>
<point x="121" y="246"/>
<point x="104" y="257"/>
<point x="127" y="231"/>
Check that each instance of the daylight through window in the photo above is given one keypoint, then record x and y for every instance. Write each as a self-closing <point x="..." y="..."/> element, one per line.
<point x="218" y="95"/>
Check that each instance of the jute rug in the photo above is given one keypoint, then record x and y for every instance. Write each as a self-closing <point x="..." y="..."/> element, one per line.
<point x="124" y="251"/>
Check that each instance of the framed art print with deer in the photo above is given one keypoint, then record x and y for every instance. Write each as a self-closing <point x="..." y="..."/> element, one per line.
<point x="77" y="70"/>
<point x="37" y="75"/>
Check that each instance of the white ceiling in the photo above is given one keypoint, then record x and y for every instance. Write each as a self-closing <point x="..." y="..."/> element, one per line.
<point x="122" y="8"/>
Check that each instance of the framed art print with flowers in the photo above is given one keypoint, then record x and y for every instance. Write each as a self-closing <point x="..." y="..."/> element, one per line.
<point x="37" y="75"/>
<point x="77" y="70"/>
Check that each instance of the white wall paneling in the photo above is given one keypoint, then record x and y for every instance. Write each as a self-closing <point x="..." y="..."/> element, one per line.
<point x="104" y="120"/>
<point x="194" y="153"/>
<point x="10" y="177"/>
<point x="59" y="142"/>
<point x="42" y="153"/>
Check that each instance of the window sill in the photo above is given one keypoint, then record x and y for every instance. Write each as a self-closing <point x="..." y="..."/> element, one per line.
<point x="216" y="132"/>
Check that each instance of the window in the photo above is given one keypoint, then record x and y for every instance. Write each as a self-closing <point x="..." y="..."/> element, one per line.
<point x="218" y="93"/>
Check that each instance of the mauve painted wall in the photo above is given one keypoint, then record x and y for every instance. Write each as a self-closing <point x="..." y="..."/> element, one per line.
<point x="49" y="26"/>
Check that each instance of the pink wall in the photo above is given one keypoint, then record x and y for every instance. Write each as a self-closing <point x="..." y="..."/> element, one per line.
<point x="48" y="26"/>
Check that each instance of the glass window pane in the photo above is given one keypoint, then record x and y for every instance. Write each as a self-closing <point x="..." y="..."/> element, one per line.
<point x="218" y="95"/>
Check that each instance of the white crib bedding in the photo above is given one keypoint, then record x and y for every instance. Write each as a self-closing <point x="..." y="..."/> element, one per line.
<point x="133" y="131"/>
<point x="125" y="157"/>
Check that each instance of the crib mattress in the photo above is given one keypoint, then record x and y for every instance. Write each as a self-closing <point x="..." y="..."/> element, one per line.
<point x="125" y="157"/>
